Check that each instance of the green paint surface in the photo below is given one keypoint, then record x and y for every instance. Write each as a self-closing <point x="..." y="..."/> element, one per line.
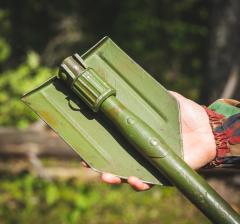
<point x="92" y="135"/>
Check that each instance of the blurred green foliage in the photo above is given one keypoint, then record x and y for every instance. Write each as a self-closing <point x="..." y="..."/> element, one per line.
<point x="18" y="79"/>
<point x="168" y="38"/>
<point x="31" y="200"/>
<point x="15" y="82"/>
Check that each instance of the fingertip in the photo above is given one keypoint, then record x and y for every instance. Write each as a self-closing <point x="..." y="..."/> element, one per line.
<point x="137" y="184"/>
<point x="110" y="178"/>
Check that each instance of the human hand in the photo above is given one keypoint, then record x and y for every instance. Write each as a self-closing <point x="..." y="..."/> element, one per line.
<point x="198" y="141"/>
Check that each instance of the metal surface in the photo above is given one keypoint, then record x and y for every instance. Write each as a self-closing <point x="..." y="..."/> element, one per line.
<point x="152" y="144"/>
<point x="157" y="152"/>
<point x="93" y="136"/>
<point x="87" y="84"/>
<point x="154" y="149"/>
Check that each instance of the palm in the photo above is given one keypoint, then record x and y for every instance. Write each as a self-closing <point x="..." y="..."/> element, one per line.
<point x="198" y="141"/>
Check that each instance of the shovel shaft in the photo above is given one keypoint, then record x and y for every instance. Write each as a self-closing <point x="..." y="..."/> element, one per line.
<point x="98" y="95"/>
<point x="156" y="151"/>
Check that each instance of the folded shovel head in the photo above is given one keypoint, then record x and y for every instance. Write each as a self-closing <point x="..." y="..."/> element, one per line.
<point x="91" y="134"/>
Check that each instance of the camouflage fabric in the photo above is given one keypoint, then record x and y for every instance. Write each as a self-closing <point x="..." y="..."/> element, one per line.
<point x="225" y="121"/>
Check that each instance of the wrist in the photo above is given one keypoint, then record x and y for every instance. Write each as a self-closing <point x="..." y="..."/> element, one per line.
<point x="212" y="149"/>
<point x="210" y="142"/>
<point x="220" y="137"/>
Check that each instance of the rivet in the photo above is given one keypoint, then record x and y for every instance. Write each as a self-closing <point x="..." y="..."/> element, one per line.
<point x="130" y="120"/>
<point x="153" y="142"/>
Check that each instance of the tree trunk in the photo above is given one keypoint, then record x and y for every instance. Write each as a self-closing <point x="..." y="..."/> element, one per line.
<point x="223" y="78"/>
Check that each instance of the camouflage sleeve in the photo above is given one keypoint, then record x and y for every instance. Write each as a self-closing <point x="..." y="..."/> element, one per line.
<point x="224" y="116"/>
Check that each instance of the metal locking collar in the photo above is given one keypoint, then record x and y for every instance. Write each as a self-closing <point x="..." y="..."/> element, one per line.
<point x="85" y="82"/>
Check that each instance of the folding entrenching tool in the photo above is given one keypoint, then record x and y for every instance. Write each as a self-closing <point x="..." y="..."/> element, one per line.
<point x="120" y="120"/>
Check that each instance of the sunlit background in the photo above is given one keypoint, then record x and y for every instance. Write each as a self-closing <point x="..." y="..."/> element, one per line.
<point x="189" y="46"/>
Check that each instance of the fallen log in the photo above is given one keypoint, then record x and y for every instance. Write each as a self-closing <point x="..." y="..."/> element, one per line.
<point x="42" y="143"/>
<point x="42" y="153"/>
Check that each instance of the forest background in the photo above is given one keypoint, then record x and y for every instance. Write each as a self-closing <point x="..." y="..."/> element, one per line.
<point x="189" y="46"/>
